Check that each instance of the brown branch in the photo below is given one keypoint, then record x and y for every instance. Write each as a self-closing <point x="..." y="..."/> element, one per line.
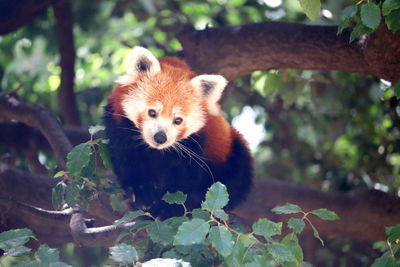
<point x="105" y="235"/>
<point x="40" y="118"/>
<point x="238" y="50"/>
<point x="14" y="14"/>
<point x="65" y="36"/>
<point x="363" y="213"/>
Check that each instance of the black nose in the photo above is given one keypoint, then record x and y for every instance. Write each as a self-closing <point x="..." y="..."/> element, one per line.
<point x="160" y="137"/>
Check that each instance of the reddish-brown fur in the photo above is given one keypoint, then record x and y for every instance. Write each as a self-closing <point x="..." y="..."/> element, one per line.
<point x="174" y="73"/>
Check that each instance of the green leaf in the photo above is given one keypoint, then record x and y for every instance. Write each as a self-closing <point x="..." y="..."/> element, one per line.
<point x="78" y="158"/>
<point x="72" y="194"/>
<point x="105" y="155"/>
<point x="175" y="222"/>
<point x="221" y="214"/>
<point x="15" y="238"/>
<point x="349" y="12"/>
<point x="216" y="198"/>
<point x="311" y="8"/>
<point x="160" y="232"/>
<point x="95" y="129"/>
<point x="267" y="228"/>
<point x="393" y="233"/>
<point x="222" y="240"/>
<point x="175" y="198"/>
<point x="28" y="264"/>
<point x="390" y="5"/>
<point x="57" y="196"/>
<point x="90" y="168"/>
<point x="129" y="216"/>
<point x="280" y="252"/>
<point x="296" y="225"/>
<point x="397" y="89"/>
<point x="288" y="208"/>
<point x="117" y="203"/>
<point x="192" y="232"/>
<point x="201" y="214"/>
<point x="343" y="25"/>
<point x="325" y="214"/>
<point x="385" y="261"/>
<point x="359" y="30"/>
<point x="17" y="251"/>
<point x="292" y="242"/>
<point x="393" y="21"/>
<point x="47" y="255"/>
<point x="123" y="253"/>
<point x="59" y="174"/>
<point x="370" y="15"/>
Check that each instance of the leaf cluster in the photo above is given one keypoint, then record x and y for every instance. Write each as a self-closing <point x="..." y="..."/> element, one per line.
<point x="367" y="16"/>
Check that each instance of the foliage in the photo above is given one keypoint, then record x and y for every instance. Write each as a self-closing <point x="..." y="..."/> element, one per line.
<point x="391" y="257"/>
<point x="367" y="17"/>
<point x="201" y="237"/>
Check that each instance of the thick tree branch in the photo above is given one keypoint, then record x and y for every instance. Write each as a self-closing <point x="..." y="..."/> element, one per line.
<point x="14" y="14"/>
<point x="238" y="50"/>
<point x="65" y="36"/>
<point x="40" y="118"/>
<point x="363" y="213"/>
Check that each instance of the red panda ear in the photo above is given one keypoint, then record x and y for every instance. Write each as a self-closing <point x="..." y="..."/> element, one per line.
<point x="140" y="60"/>
<point x="211" y="87"/>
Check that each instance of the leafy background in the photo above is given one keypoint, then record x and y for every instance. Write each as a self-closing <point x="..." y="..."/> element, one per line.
<point x="330" y="130"/>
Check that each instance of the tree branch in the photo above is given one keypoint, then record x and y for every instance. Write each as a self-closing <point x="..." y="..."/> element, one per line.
<point x="65" y="36"/>
<point x="14" y="14"/>
<point x="363" y="213"/>
<point x="40" y="118"/>
<point x="238" y="50"/>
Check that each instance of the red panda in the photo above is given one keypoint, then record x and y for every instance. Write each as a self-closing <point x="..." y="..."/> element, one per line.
<point x="166" y="133"/>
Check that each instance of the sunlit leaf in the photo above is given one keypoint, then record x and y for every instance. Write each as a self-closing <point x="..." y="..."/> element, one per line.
<point x="288" y="208"/>
<point x="192" y="232"/>
<point x="123" y="253"/>
<point x="370" y="15"/>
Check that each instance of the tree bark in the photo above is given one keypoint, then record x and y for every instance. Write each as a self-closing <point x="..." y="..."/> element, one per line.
<point x="65" y="36"/>
<point x="238" y="50"/>
<point x="363" y="214"/>
<point x="39" y="118"/>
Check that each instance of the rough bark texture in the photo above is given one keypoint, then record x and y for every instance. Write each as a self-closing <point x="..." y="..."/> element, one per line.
<point x="65" y="36"/>
<point x="39" y="118"/>
<point x="364" y="214"/>
<point x="239" y="50"/>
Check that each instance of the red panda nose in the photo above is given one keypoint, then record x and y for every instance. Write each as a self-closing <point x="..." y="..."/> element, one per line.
<point x="160" y="137"/>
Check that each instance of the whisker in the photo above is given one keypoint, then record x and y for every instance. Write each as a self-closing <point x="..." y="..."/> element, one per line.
<point x="197" y="143"/>
<point x="198" y="159"/>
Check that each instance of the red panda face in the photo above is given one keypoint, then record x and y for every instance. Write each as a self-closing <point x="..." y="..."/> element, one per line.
<point x="164" y="99"/>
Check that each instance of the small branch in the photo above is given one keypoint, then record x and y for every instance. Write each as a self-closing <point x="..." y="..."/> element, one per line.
<point x="65" y="36"/>
<point x="105" y="235"/>
<point x="40" y="118"/>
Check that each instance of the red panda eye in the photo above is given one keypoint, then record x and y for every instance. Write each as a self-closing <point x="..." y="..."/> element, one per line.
<point x="152" y="113"/>
<point x="178" y="120"/>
